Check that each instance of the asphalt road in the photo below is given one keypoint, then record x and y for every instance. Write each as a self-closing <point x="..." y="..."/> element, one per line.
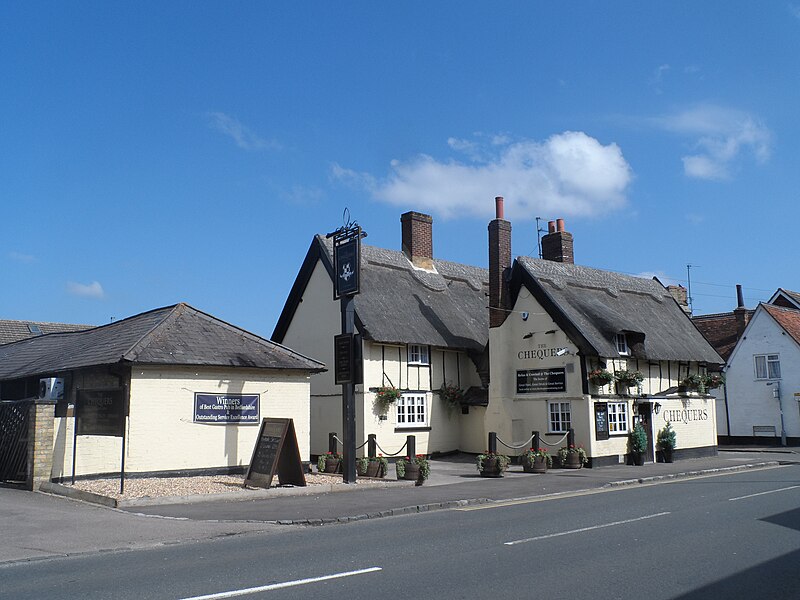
<point x="729" y="536"/>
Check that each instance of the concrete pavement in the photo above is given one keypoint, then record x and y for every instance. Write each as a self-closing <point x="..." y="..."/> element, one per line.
<point x="38" y="525"/>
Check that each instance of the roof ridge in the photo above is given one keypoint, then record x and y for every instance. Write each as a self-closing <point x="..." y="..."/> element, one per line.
<point x="145" y="340"/>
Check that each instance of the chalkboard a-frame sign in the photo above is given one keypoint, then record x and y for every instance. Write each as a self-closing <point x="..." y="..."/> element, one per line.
<point x="276" y="451"/>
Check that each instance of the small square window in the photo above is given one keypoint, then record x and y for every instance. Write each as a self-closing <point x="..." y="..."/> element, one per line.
<point x="560" y="417"/>
<point x="412" y="410"/>
<point x="768" y="366"/>
<point x="618" y="417"/>
<point x="418" y="355"/>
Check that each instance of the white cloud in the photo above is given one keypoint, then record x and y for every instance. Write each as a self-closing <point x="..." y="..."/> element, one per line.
<point x="568" y="174"/>
<point x="20" y="257"/>
<point x="244" y="137"/>
<point x="89" y="290"/>
<point x="722" y="135"/>
<point x="303" y="195"/>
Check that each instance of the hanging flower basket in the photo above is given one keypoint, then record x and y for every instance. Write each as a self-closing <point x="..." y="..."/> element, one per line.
<point x="600" y="377"/>
<point x="385" y="396"/>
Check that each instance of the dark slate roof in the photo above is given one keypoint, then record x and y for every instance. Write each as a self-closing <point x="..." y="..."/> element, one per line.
<point x="593" y="305"/>
<point x="785" y="298"/>
<point x="174" y="335"/>
<point x="13" y="331"/>
<point x="721" y="330"/>
<point x="401" y="304"/>
<point x="788" y="318"/>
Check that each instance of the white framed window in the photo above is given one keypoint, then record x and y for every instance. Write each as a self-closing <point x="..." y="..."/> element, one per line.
<point x="617" y="417"/>
<point x="622" y="345"/>
<point x="768" y="366"/>
<point x="560" y="417"/>
<point x="412" y="410"/>
<point x="418" y="355"/>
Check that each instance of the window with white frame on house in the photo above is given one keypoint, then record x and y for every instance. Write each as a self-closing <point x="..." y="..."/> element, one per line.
<point x="418" y="355"/>
<point x="622" y="344"/>
<point x="768" y="366"/>
<point x="412" y="410"/>
<point x="617" y="417"/>
<point x="560" y="417"/>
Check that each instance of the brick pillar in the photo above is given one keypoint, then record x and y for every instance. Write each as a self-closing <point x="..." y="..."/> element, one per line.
<point x="417" y="230"/>
<point x="499" y="264"/>
<point x="40" y="443"/>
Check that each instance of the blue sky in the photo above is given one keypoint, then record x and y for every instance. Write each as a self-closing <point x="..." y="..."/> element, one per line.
<point x="152" y="153"/>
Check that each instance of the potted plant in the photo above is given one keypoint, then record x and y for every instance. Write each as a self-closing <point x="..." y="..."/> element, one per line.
<point x="638" y="444"/>
<point x="572" y="457"/>
<point x="331" y="462"/>
<point x="452" y="396"/>
<point x="667" y="440"/>
<point x="415" y="468"/>
<point x="600" y="377"/>
<point x="492" y="464"/>
<point x="372" y="466"/>
<point x="695" y="382"/>
<point x="536" y="460"/>
<point x="385" y="396"/>
<point x="628" y="379"/>
<point x="713" y="380"/>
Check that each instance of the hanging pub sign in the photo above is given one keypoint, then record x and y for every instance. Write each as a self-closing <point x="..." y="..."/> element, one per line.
<point x="531" y="381"/>
<point x="343" y="356"/>
<point x="601" y="420"/>
<point x="226" y="408"/>
<point x="276" y="451"/>
<point x="100" y="412"/>
<point x="347" y="262"/>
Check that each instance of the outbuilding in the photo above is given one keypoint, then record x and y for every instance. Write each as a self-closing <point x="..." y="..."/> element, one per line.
<point x="194" y="390"/>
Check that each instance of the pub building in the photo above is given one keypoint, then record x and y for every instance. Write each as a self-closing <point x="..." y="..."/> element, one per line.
<point x="180" y="390"/>
<point x="552" y="323"/>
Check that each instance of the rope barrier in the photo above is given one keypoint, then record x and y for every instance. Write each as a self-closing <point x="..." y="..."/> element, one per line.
<point x="361" y="446"/>
<point x="389" y="453"/>
<point x="524" y="444"/>
<point x="336" y="437"/>
<point x="556" y="444"/>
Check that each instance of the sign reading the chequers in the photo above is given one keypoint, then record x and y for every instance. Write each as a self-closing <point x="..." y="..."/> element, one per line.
<point x="100" y="412"/>
<point x="532" y="381"/>
<point x="226" y="408"/>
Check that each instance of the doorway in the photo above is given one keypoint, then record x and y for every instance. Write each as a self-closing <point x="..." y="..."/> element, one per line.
<point x="646" y="419"/>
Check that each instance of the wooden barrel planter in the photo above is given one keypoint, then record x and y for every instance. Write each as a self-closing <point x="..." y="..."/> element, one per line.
<point x="573" y="461"/>
<point x="539" y="465"/>
<point x="491" y="467"/>
<point x="374" y="469"/>
<point x="412" y="473"/>
<point x="333" y="465"/>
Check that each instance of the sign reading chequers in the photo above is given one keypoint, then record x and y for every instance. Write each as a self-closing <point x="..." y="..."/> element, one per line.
<point x="226" y="408"/>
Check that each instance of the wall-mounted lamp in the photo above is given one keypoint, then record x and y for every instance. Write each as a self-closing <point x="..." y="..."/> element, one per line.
<point x="657" y="407"/>
<point x="524" y="316"/>
<point x="562" y="352"/>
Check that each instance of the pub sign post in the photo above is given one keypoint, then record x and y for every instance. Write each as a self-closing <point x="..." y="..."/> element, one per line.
<point x="346" y="284"/>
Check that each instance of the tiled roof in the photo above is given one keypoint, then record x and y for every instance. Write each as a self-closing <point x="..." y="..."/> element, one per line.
<point x="721" y="330"/>
<point x="13" y="331"/>
<point x="593" y="305"/>
<point x="786" y="298"/>
<point x="788" y="318"/>
<point x="174" y="335"/>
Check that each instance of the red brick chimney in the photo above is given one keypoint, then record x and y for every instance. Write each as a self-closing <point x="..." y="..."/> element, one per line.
<point x="557" y="244"/>
<point x="499" y="264"/>
<point x="418" y="238"/>
<point x="681" y="297"/>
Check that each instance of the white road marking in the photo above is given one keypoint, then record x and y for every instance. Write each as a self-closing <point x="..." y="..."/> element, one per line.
<point x="762" y="493"/>
<point x="278" y="586"/>
<point x="552" y="535"/>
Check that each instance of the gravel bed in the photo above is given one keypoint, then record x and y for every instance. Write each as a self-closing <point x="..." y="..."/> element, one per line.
<point x="156" y="487"/>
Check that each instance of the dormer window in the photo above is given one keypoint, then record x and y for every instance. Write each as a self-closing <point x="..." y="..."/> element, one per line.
<point x="418" y="355"/>
<point x="622" y="345"/>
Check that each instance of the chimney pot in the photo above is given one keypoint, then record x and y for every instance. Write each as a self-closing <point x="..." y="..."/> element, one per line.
<point x="557" y="245"/>
<point x="559" y="224"/>
<point x="551" y="227"/>
<point x="498" y="207"/>
<point x="739" y="296"/>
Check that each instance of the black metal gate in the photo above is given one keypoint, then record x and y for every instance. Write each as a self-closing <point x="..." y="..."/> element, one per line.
<point x="14" y="427"/>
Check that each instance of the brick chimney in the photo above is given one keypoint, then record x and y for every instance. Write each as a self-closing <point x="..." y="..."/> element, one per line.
<point x="499" y="264"/>
<point x="740" y="312"/>
<point x="557" y="244"/>
<point x="681" y="297"/>
<point x="418" y="239"/>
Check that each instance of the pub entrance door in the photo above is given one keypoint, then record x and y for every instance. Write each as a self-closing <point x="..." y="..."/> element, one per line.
<point x="646" y="419"/>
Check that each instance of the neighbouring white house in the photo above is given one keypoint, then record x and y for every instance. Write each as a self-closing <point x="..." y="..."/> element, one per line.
<point x="553" y="323"/>
<point x="762" y="374"/>
<point x="196" y="389"/>
<point x="422" y="323"/>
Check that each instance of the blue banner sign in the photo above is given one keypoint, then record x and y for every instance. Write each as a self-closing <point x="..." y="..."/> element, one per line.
<point x="226" y="408"/>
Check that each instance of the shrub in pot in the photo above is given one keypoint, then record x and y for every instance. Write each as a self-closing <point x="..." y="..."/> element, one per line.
<point x="638" y="444"/>
<point x="667" y="441"/>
